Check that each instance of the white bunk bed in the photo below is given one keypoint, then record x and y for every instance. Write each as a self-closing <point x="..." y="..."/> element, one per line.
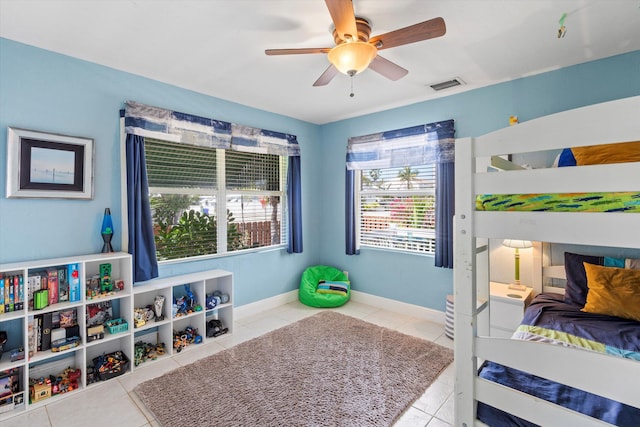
<point x="612" y="377"/>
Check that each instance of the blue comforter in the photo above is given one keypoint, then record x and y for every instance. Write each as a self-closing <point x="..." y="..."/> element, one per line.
<point x="550" y="319"/>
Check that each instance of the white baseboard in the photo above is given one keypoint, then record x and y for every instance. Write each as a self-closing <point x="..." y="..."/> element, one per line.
<point x="398" y="307"/>
<point x="359" y="297"/>
<point x="264" y="304"/>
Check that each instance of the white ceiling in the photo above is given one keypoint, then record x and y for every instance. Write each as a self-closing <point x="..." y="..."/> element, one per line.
<point x="217" y="46"/>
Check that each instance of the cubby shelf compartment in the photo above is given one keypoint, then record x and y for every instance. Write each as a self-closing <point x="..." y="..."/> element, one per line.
<point x="46" y="367"/>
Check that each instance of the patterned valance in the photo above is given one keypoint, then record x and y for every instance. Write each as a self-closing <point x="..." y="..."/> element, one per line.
<point x="246" y="138"/>
<point x="417" y="145"/>
<point x="167" y="125"/>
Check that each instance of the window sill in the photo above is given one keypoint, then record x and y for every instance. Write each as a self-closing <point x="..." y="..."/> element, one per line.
<point x="395" y="250"/>
<point x="225" y="255"/>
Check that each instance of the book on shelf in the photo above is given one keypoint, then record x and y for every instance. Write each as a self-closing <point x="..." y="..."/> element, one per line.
<point x="52" y="283"/>
<point x="11" y="293"/>
<point x="68" y="317"/>
<point x="32" y="339"/>
<point x="98" y="313"/>
<point x="38" y="320"/>
<point x="18" y="282"/>
<point x="3" y="285"/>
<point x="63" y="284"/>
<point x="45" y="331"/>
<point x="73" y="277"/>
<point x="55" y="320"/>
<point x="41" y="299"/>
<point x="9" y="303"/>
<point x="34" y="284"/>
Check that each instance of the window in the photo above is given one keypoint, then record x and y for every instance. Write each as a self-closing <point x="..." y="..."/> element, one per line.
<point x="397" y="208"/>
<point x="191" y="187"/>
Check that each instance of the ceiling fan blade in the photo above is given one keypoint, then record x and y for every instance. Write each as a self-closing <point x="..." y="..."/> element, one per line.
<point x="387" y="68"/>
<point x="327" y="76"/>
<point x="414" y="33"/>
<point x="343" y="17"/>
<point x="272" y="52"/>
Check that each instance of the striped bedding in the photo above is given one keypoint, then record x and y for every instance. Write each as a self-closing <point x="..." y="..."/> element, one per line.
<point x="561" y="202"/>
<point x="550" y="319"/>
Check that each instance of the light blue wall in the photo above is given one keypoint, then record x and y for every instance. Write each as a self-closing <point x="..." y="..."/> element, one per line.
<point x="41" y="90"/>
<point x="413" y="278"/>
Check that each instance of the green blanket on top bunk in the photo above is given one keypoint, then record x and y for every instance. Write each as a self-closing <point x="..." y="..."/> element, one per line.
<point x="561" y="202"/>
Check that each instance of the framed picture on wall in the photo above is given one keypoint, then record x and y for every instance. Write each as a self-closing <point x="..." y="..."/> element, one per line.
<point x="47" y="165"/>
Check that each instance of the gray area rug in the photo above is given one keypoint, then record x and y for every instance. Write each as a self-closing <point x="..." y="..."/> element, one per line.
<point x="326" y="370"/>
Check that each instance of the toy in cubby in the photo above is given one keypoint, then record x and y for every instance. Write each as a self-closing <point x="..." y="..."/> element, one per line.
<point x="185" y="304"/>
<point x="216" y="298"/>
<point x="108" y="366"/>
<point x="101" y="285"/>
<point x="144" y="351"/>
<point x="142" y="315"/>
<point x="184" y="338"/>
<point x="116" y="326"/>
<point x="92" y="375"/>
<point x="43" y="388"/>
<point x="11" y="394"/>
<point x="215" y="328"/>
<point x="97" y="314"/>
<point x="16" y="354"/>
<point x="10" y="380"/>
<point x="158" y="304"/>
<point x="67" y="381"/>
<point x="39" y="389"/>
<point x="105" y="278"/>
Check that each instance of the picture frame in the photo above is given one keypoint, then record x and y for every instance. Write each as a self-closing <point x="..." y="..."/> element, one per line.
<point x="48" y="165"/>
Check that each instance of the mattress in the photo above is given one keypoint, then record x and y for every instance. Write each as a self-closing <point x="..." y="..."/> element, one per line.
<point x="550" y="319"/>
<point x="561" y="202"/>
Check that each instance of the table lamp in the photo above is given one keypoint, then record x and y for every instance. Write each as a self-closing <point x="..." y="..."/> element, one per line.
<point x="517" y="245"/>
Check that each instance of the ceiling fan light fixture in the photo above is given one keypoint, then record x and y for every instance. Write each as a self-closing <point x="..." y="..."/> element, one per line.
<point x="352" y="57"/>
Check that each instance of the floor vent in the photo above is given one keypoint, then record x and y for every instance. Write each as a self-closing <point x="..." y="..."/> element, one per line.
<point x="446" y="84"/>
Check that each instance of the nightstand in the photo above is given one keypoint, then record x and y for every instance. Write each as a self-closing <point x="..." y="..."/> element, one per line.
<point x="506" y="308"/>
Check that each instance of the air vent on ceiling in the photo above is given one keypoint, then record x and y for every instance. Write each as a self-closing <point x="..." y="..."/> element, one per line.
<point x="447" y="84"/>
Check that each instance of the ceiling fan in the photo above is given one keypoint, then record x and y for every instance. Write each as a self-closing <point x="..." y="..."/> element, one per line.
<point x="355" y="51"/>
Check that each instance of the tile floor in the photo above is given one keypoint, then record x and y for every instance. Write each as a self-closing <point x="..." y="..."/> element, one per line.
<point x="115" y="404"/>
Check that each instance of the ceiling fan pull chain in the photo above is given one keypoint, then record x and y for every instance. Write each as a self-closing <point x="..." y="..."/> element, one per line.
<point x="352" y="94"/>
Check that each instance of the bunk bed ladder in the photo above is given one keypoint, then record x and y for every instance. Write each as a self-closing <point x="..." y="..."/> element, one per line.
<point x="464" y="283"/>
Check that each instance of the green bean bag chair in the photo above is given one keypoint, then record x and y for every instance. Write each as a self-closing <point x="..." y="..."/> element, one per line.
<point x="324" y="286"/>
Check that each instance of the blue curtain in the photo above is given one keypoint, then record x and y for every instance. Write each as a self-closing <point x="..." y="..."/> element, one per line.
<point x="350" y="213"/>
<point x="294" y="203"/>
<point x="445" y="208"/>
<point x="418" y="145"/>
<point x="141" y="244"/>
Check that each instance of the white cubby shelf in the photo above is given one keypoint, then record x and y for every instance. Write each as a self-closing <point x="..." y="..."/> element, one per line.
<point x="17" y="319"/>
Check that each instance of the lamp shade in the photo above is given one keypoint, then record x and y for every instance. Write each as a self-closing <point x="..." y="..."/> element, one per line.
<point x="352" y="57"/>
<point x="517" y="244"/>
